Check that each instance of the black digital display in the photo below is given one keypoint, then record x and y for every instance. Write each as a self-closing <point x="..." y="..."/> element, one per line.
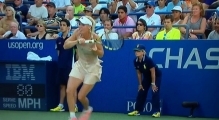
<point x="12" y="90"/>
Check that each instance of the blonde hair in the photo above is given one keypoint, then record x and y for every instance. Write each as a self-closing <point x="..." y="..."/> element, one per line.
<point x="12" y="9"/>
<point x="42" y="22"/>
<point x="202" y="12"/>
<point x="93" y="23"/>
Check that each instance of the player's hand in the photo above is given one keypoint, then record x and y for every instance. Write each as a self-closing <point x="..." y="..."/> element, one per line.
<point x="81" y="40"/>
<point x="154" y="88"/>
<point x="140" y="87"/>
<point x="94" y="48"/>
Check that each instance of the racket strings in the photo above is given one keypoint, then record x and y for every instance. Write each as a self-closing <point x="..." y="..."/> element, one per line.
<point x="112" y="44"/>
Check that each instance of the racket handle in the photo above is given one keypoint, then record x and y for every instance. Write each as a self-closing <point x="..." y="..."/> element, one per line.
<point x="89" y="41"/>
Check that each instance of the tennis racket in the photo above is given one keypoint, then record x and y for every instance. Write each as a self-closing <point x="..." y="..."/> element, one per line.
<point x="109" y="44"/>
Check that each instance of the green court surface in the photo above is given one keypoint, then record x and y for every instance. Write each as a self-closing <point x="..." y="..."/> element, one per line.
<point x="30" y="115"/>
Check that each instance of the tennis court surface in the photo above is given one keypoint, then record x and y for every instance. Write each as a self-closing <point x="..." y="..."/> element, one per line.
<point x="32" y="115"/>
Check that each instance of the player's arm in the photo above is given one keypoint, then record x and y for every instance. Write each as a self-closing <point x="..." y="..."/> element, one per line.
<point x="99" y="46"/>
<point x="71" y="41"/>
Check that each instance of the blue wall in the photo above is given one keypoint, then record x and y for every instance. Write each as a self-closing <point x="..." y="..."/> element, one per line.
<point x="190" y="73"/>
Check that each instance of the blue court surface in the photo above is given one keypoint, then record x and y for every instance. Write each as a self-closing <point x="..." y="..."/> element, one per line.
<point x="34" y="115"/>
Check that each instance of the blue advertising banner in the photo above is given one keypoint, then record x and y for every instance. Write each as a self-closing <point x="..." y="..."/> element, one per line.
<point x="12" y="50"/>
<point x="190" y="73"/>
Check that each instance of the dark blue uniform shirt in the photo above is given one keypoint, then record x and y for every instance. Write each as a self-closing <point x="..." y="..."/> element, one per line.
<point x="65" y="56"/>
<point x="145" y="65"/>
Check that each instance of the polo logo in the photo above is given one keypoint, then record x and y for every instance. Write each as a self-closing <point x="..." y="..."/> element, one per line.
<point x="145" y="67"/>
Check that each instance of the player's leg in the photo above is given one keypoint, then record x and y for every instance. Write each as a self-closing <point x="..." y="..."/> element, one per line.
<point x="156" y="99"/>
<point x="89" y="82"/>
<point x="141" y="98"/>
<point x="72" y="86"/>
<point x="76" y="77"/>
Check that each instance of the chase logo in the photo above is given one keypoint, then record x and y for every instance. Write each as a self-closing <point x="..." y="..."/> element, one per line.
<point x="20" y="72"/>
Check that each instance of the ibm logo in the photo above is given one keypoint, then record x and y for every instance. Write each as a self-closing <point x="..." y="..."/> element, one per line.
<point x="20" y="72"/>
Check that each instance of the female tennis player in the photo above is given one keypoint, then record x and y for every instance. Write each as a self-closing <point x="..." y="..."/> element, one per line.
<point x="151" y="75"/>
<point x="87" y="68"/>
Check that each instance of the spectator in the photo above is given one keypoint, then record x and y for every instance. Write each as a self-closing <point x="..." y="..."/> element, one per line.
<point x="214" y="35"/>
<point x="207" y="3"/>
<point x="95" y="6"/>
<point x="2" y="8"/>
<point x="151" y="18"/>
<point x="7" y="19"/>
<point x="43" y="35"/>
<point x="61" y="4"/>
<point x="187" y="6"/>
<point x="78" y="7"/>
<point x="177" y="15"/>
<point x="106" y="3"/>
<point x="169" y="32"/>
<point x="14" y="33"/>
<point x="107" y="32"/>
<point x="130" y="5"/>
<point x="161" y="6"/>
<point x="104" y="15"/>
<point x="88" y="11"/>
<point x="20" y="10"/>
<point x="70" y="17"/>
<point x="123" y="20"/>
<point x="36" y="12"/>
<point x="142" y="32"/>
<point x="196" y="22"/>
<point x="52" y="19"/>
<point x="172" y="4"/>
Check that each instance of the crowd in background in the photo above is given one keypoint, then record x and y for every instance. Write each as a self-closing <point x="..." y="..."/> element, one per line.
<point x="136" y="17"/>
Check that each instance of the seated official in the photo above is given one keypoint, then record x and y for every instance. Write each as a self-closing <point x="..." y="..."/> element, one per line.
<point x="14" y="33"/>
<point x="169" y="32"/>
<point x="107" y="32"/>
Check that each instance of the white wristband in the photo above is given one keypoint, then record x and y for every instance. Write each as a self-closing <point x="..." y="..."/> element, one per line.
<point x="152" y="83"/>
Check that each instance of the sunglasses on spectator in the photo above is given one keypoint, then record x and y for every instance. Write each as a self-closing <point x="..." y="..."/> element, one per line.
<point x="148" y="6"/>
<point x="39" y="25"/>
